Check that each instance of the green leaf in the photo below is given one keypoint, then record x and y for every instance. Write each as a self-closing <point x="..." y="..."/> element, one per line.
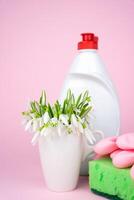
<point x="78" y="100"/>
<point x="40" y="100"/>
<point x="85" y="95"/>
<point x="25" y="113"/>
<point x="68" y="94"/>
<point x="81" y="105"/>
<point x="57" y="109"/>
<point x="88" y="99"/>
<point x="43" y="98"/>
<point x="84" y="112"/>
<point x="50" y="112"/>
<point x="32" y="106"/>
<point x="64" y="106"/>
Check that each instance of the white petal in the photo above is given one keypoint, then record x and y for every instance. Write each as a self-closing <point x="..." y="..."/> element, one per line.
<point x="42" y="131"/>
<point x="35" y="125"/>
<point x="35" y="138"/>
<point x="28" y="125"/>
<point x="24" y="121"/>
<point x="40" y="122"/>
<point x="45" y="133"/>
<point x="32" y="115"/>
<point x="74" y="120"/>
<point x="43" y="98"/>
<point x="46" y="117"/>
<point x="79" y="119"/>
<point x="80" y="128"/>
<point x="64" y="119"/>
<point x="54" y="119"/>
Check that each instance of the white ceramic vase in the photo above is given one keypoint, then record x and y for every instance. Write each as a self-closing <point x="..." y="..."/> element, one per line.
<point x="61" y="159"/>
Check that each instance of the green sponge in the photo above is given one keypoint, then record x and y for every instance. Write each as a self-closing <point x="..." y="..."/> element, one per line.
<point x="109" y="181"/>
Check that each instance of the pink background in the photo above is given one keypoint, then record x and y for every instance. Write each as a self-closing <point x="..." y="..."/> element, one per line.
<point x="37" y="45"/>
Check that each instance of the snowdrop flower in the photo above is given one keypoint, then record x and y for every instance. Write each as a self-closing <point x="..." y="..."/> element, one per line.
<point x="43" y="98"/>
<point x="74" y="120"/>
<point x="35" y="125"/>
<point x="69" y="128"/>
<point x="80" y="128"/>
<point x="46" y="117"/>
<point x="28" y="125"/>
<point x="41" y="122"/>
<point x="48" y="131"/>
<point x="24" y="122"/>
<point x="64" y="119"/>
<point x="54" y="120"/>
<point x="80" y="120"/>
<point x="43" y="131"/>
<point x="31" y="115"/>
<point x="59" y="128"/>
<point x="26" y="119"/>
<point x="74" y="129"/>
<point x="35" y="138"/>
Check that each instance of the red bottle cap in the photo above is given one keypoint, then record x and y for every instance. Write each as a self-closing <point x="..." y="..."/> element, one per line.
<point x="89" y="41"/>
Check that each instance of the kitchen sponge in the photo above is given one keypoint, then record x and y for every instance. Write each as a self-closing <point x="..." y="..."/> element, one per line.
<point x="109" y="181"/>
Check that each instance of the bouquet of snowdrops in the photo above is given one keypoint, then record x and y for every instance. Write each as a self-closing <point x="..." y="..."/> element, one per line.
<point x="72" y="113"/>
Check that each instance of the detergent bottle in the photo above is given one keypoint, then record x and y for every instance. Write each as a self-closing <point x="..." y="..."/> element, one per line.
<point x="88" y="72"/>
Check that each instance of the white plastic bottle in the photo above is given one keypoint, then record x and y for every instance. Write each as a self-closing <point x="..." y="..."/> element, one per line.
<point x="88" y="73"/>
